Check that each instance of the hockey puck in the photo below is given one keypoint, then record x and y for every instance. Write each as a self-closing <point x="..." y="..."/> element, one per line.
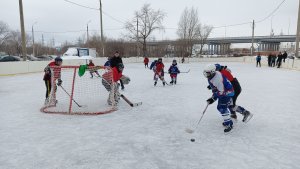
<point x="192" y="140"/>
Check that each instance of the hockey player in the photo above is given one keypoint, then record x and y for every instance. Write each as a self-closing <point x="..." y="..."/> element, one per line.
<point x="114" y="61"/>
<point x="50" y="78"/>
<point x="173" y="71"/>
<point x="159" y="72"/>
<point x="92" y="70"/>
<point x="110" y="82"/>
<point x="107" y="63"/>
<point x="152" y="66"/>
<point x="237" y="90"/>
<point x="146" y="61"/>
<point x="223" y="91"/>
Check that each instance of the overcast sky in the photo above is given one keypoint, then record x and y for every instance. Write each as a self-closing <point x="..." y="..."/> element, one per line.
<point x="61" y="16"/>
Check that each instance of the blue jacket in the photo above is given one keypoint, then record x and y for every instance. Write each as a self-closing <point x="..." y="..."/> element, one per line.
<point x="153" y="64"/>
<point x="173" y="69"/>
<point x="258" y="58"/>
<point x="107" y="63"/>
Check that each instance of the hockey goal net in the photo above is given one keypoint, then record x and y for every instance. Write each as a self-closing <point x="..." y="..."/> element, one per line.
<point x="79" y="94"/>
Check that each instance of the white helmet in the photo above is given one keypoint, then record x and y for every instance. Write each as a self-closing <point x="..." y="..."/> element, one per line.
<point x="209" y="71"/>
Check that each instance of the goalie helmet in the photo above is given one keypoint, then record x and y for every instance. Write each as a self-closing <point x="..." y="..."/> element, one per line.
<point x="125" y="79"/>
<point x="209" y="71"/>
<point x="58" y="59"/>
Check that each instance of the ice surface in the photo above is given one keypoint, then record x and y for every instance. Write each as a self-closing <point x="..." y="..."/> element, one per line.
<point x="153" y="135"/>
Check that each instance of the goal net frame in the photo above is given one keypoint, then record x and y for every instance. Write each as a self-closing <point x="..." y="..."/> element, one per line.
<point x="71" y="104"/>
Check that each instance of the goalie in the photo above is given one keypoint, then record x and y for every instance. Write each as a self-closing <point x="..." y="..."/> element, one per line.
<point x="110" y="82"/>
<point x="50" y="78"/>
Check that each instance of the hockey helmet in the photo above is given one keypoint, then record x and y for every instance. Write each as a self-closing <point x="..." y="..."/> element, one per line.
<point x="58" y="59"/>
<point x="209" y="71"/>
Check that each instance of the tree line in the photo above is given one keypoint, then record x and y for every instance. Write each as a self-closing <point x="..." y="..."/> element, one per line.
<point x="139" y="31"/>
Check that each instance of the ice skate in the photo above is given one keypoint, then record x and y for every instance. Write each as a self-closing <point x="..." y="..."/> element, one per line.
<point x="247" y="116"/>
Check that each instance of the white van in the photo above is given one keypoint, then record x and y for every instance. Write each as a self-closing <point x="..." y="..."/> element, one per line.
<point x="80" y="53"/>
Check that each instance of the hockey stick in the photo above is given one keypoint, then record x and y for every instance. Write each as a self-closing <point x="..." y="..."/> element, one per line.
<point x="192" y="131"/>
<point x="185" y="71"/>
<point x="125" y="98"/>
<point x="129" y="102"/>
<point x="70" y="96"/>
<point x="181" y="72"/>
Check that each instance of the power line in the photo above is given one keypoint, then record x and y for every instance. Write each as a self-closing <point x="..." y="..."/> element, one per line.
<point x="81" y="5"/>
<point x="61" y="31"/>
<point x="113" y="17"/>
<point x="95" y="9"/>
<point x="244" y="23"/>
<point x="272" y="12"/>
<point x="74" y="31"/>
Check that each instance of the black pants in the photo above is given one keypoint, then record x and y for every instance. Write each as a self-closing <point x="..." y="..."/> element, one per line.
<point x="237" y="90"/>
<point x="122" y="85"/>
<point x="273" y="63"/>
<point x="258" y="63"/>
<point x="48" y="87"/>
<point x="279" y="64"/>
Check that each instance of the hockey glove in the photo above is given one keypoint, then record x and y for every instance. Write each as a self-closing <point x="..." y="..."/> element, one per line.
<point x="59" y="82"/>
<point x="214" y="90"/>
<point x="210" y="101"/>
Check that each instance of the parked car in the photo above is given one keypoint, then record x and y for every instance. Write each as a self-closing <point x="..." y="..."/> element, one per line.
<point x="52" y="56"/>
<point x="44" y="57"/>
<point x="32" y="58"/>
<point x="8" y="59"/>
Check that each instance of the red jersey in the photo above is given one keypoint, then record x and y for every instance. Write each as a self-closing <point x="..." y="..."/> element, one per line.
<point x="227" y="74"/>
<point x="91" y="64"/>
<point x="55" y="69"/>
<point x="113" y="73"/>
<point x="159" y="67"/>
<point x="146" y="60"/>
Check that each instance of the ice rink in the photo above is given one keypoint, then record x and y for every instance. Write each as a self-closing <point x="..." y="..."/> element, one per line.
<point x="152" y="136"/>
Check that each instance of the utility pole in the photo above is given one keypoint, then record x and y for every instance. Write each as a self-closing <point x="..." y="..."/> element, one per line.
<point x="101" y="28"/>
<point x="137" y="35"/>
<point x="87" y="33"/>
<point x="297" y="34"/>
<point x="33" y="45"/>
<point x="24" y="52"/>
<point x="43" y="40"/>
<point x="252" y="47"/>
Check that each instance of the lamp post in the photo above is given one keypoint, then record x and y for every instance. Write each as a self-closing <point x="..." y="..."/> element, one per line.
<point x="272" y="31"/>
<point x="33" y="45"/>
<point x="87" y="33"/>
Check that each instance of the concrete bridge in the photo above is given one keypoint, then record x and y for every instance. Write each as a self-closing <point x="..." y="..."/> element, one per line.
<point x="222" y="45"/>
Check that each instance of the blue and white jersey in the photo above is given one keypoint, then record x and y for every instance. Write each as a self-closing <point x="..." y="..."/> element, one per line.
<point x="220" y="86"/>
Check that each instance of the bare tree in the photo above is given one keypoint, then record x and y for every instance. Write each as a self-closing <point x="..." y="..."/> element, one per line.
<point x="190" y="31"/>
<point x="4" y="34"/>
<point x="14" y="43"/>
<point x="202" y="35"/>
<point x="145" y="22"/>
